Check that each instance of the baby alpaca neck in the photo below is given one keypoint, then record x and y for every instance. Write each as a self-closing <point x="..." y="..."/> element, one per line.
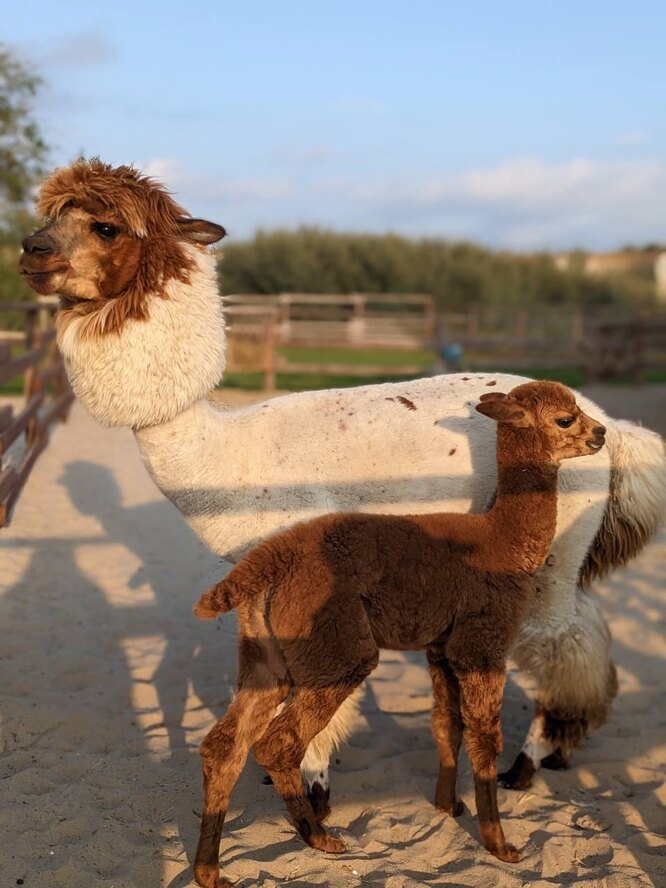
<point x="524" y="515"/>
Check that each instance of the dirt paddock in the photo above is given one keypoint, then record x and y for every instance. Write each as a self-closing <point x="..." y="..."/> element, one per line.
<point x="109" y="684"/>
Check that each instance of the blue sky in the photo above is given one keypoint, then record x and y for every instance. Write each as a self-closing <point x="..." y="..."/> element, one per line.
<point x="522" y="125"/>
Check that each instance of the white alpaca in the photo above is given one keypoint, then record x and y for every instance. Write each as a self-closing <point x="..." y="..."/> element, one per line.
<point x="238" y="475"/>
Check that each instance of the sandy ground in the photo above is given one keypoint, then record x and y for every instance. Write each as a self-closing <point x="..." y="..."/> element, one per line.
<point x="109" y="684"/>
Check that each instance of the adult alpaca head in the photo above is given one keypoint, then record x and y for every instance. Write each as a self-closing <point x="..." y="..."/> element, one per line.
<point x="132" y="271"/>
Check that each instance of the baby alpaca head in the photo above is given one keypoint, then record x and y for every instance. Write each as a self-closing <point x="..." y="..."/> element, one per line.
<point x="111" y="234"/>
<point x="549" y="410"/>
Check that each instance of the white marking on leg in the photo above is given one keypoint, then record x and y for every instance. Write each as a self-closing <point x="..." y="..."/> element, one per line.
<point x="537" y="746"/>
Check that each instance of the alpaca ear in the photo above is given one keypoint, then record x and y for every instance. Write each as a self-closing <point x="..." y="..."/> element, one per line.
<point x="200" y="231"/>
<point x="500" y="409"/>
<point x="492" y="396"/>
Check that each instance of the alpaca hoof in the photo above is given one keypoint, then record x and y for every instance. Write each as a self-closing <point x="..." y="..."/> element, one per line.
<point x="508" y="854"/>
<point x="519" y="775"/>
<point x="327" y="843"/>
<point x="454" y="810"/>
<point x="319" y="799"/>
<point x="208" y="876"/>
<point x="555" y="761"/>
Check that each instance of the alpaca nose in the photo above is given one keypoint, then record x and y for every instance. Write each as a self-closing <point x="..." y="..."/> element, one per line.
<point x="38" y="243"/>
<point x="599" y="430"/>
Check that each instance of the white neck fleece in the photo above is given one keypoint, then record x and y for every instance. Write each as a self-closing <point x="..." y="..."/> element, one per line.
<point x="152" y="370"/>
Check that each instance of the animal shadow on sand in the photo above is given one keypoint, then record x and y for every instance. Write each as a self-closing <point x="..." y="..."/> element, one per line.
<point x="203" y="658"/>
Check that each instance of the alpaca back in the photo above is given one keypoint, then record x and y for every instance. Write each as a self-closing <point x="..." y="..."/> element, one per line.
<point x="239" y="476"/>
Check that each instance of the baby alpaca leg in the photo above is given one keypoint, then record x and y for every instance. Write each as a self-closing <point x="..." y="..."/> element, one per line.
<point x="447" y="731"/>
<point x="481" y="700"/>
<point x="314" y="767"/>
<point x="283" y="746"/>
<point x="223" y="755"/>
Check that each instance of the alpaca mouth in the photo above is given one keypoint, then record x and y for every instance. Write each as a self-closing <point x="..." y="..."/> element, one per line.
<point x="596" y="443"/>
<point x="38" y="276"/>
<point x="42" y="280"/>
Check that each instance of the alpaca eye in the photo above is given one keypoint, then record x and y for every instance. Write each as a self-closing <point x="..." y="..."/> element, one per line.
<point x="104" y="230"/>
<point x="565" y="422"/>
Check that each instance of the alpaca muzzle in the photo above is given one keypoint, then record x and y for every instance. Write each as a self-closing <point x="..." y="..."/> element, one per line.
<point x="596" y="443"/>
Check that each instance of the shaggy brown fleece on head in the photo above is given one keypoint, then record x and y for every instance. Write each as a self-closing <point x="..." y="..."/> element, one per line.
<point x="133" y="267"/>
<point x="535" y="397"/>
<point x="141" y="203"/>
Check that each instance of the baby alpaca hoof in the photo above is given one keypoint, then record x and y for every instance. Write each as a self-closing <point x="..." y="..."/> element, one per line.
<point x="519" y="775"/>
<point x="208" y="876"/>
<point x="509" y="854"/>
<point x="454" y="810"/>
<point x="325" y="842"/>
<point x="319" y="799"/>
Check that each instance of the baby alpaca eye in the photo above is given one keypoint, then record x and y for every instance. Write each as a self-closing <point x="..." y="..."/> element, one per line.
<point x="565" y="421"/>
<point x="104" y="230"/>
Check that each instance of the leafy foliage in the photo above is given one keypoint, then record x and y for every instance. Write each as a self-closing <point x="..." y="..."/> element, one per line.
<point x="22" y="153"/>
<point x="457" y="275"/>
<point x="22" y="148"/>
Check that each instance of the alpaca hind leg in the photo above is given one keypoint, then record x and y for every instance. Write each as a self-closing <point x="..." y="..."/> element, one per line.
<point x="481" y="700"/>
<point x="314" y="767"/>
<point x="223" y="755"/>
<point x="447" y="731"/>
<point x="568" y="653"/>
<point x="282" y="747"/>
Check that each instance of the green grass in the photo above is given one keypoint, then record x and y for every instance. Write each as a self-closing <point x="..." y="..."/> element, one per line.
<point x="13" y="387"/>
<point x="358" y="356"/>
<point x="294" y="382"/>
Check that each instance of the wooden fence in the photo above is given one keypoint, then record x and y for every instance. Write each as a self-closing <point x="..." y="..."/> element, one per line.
<point x="388" y="322"/>
<point x="46" y="395"/>
<point x="629" y="348"/>
<point x="602" y="341"/>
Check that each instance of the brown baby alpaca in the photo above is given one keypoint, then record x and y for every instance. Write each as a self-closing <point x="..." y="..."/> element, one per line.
<point x="317" y="602"/>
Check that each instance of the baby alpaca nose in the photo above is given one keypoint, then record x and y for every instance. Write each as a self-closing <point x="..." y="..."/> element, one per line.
<point x="599" y="430"/>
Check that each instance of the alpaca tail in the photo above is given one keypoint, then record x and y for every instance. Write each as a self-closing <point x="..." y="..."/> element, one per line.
<point x="240" y="585"/>
<point x="257" y="571"/>
<point x="636" y="504"/>
<point x="223" y="597"/>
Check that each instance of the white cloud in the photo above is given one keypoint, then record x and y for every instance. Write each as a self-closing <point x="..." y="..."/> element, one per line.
<point x="291" y="153"/>
<point x="211" y="190"/>
<point x="83" y="50"/>
<point x="634" y="137"/>
<point x="527" y="202"/>
<point x="524" y="203"/>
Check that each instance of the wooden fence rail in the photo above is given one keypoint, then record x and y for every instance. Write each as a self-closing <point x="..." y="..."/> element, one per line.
<point x="46" y="395"/>
<point x="599" y="341"/>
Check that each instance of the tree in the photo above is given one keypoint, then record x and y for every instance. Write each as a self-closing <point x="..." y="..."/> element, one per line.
<point x="22" y="153"/>
<point x="22" y="148"/>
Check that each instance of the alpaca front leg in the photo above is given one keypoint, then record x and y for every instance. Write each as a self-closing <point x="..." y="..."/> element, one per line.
<point x="568" y="653"/>
<point x="481" y="700"/>
<point x="315" y="764"/>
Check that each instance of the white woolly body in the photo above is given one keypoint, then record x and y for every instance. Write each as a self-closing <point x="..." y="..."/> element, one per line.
<point x="238" y="475"/>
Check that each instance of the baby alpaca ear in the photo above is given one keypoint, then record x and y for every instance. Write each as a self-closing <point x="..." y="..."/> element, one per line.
<point x="200" y="231"/>
<point x="500" y="409"/>
<point x="492" y="396"/>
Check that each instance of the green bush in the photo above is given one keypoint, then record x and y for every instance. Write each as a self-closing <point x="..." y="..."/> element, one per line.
<point x="457" y="275"/>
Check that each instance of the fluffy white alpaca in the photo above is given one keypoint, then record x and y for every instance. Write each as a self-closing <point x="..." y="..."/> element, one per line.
<point x="238" y="475"/>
